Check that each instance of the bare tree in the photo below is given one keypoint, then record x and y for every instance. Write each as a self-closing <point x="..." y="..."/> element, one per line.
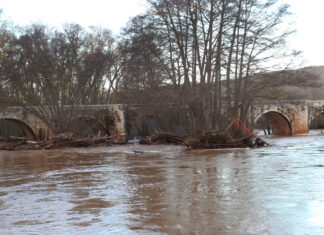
<point x="213" y="49"/>
<point x="204" y="61"/>
<point x="50" y="72"/>
<point x="143" y="71"/>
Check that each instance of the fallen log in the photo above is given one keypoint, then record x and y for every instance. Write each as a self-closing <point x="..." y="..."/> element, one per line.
<point x="16" y="138"/>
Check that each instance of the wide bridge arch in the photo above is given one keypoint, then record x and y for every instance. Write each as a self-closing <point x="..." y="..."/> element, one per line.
<point x="280" y="122"/>
<point x="287" y="117"/>
<point x="88" y="126"/>
<point x="103" y="120"/>
<point x="32" y="126"/>
<point x="27" y="130"/>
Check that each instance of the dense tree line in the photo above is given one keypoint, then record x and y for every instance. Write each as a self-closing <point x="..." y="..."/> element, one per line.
<point x="195" y="62"/>
<point x="43" y="70"/>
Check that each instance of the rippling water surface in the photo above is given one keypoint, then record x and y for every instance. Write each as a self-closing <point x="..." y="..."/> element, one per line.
<point x="165" y="189"/>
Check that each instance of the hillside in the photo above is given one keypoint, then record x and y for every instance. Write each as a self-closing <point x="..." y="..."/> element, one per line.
<point x="306" y="83"/>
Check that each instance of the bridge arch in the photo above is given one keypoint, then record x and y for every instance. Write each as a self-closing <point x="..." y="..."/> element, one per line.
<point x="316" y="120"/>
<point x="85" y="126"/>
<point x="280" y="122"/>
<point x="27" y="130"/>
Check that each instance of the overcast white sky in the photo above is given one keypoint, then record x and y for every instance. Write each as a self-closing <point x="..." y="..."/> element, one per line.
<point x="114" y="14"/>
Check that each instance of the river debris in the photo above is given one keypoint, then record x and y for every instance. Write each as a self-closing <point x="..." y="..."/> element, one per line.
<point x="212" y="140"/>
<point x="57" y="142"/>
<point x="162" y="138"/>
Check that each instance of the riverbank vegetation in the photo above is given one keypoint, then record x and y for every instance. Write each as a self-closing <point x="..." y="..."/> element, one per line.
<point x="196" y="64"/>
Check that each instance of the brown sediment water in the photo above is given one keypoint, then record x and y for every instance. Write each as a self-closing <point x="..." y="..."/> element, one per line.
<point x="165" y="189"/>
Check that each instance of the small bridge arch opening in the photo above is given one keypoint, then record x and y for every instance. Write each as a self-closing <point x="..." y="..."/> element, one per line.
<point x="276" y="122"/>
<point x="317" y="121"/>
<point x="86" y="127"/>
<point x="14" y="127"/>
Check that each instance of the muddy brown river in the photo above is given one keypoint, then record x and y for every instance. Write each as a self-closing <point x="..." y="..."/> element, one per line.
<point x="165" y="190"/>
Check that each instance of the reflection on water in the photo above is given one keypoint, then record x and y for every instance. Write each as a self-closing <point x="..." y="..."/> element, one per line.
<point x="166" y="189"/>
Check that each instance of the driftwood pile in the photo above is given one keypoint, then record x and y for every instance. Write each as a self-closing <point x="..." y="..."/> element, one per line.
<point x="211" y="140"/>
<point x="57" y="142"/>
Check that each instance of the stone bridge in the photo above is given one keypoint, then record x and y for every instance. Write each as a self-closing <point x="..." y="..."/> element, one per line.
<point x="102" y="119"/>
<point x="287" y="117"/>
